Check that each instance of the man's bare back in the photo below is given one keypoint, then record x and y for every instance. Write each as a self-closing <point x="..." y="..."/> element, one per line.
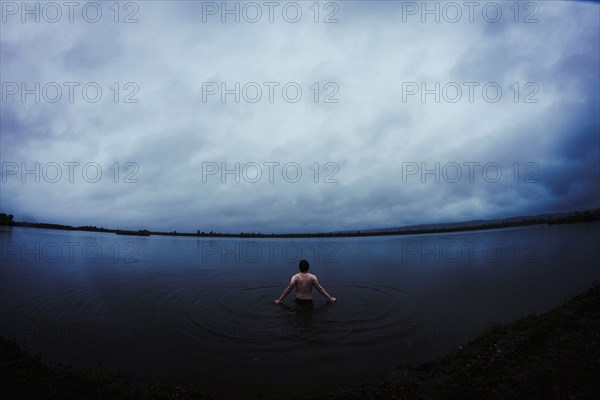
<point x="304" y="282"/>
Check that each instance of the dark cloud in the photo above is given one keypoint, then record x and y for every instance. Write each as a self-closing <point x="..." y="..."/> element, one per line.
<point x="371" y="134"/>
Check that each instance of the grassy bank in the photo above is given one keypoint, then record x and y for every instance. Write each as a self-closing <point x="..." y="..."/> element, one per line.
<point x="555" y="355"/>
<point x="26" y="376"/>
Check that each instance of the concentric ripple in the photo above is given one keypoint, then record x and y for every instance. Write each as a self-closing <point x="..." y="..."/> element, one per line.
<point x="361" y="314"/>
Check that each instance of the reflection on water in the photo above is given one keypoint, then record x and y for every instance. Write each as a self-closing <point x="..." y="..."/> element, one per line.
<point x="184" y="308"/>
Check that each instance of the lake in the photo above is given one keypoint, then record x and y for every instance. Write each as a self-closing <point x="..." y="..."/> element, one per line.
<point x="200" y="311"/>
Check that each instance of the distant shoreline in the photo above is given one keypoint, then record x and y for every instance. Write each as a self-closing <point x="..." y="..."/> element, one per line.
<point x="570" y="218"/>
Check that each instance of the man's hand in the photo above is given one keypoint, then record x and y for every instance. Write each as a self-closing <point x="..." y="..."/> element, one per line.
<point x="332" y="300"/>
<point x="277" y="301"/>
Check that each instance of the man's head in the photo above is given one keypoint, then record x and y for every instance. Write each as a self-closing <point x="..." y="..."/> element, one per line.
<point x="303" y="265"/>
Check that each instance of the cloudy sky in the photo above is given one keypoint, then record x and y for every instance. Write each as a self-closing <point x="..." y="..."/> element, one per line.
<point x="286" y="116"/>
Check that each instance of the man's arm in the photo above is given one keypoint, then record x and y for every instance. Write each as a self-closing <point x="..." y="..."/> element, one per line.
<point x="322" y="290"/>
<point x="287" y="290"/>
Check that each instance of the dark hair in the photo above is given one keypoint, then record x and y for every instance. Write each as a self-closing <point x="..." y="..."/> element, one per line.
<point x="303" y="265"/>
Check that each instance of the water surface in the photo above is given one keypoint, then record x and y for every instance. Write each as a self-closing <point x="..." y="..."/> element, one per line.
<point x="200" y="311"/>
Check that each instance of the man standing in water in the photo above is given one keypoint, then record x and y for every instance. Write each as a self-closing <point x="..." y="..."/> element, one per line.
<point x="304" y="282"/>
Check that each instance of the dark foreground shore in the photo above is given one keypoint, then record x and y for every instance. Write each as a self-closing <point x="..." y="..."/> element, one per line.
<point x="555" y="355"/>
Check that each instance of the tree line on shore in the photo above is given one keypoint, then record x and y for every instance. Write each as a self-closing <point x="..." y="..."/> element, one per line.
<point x="576" y="217"/>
